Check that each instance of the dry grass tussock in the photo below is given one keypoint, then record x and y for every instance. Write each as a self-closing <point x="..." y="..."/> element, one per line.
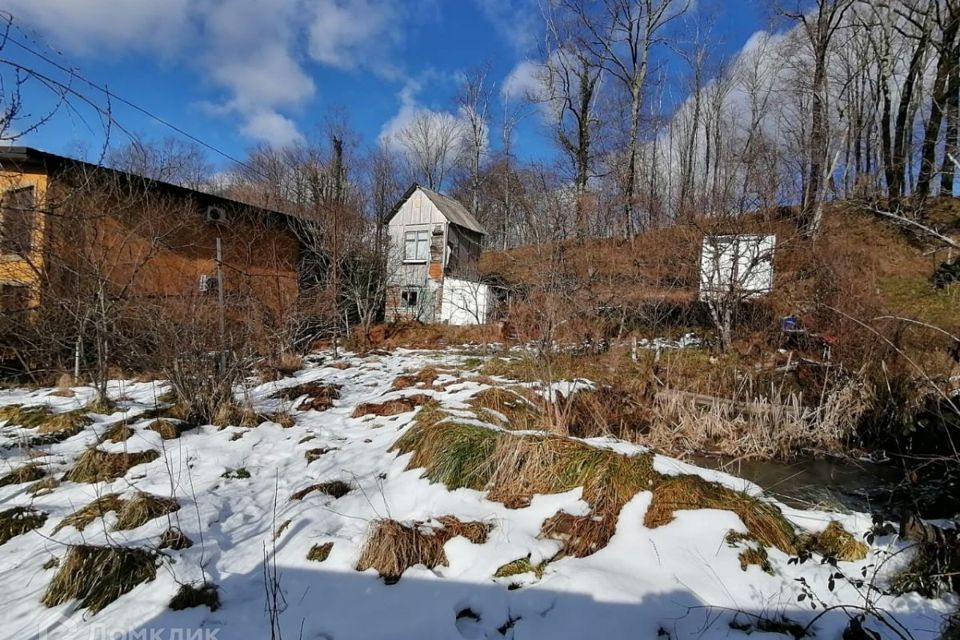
<point x="43" y="487"/>
<point x="777" y="426"/>
<point x="835" y="542"/>
<point x="315" y="454"/>
<point x="96" y="465"/>
<point x="29" y="472"/>
<point x="174" y="538"/>
<point x="196" y="595"/>
<point x="96" y="576"/>
<point x="335" y="488"/>
<point x="393" y="547"/>
<point x="512" y="468"/>
<point x="19" y="520"/>
<point x="319" y="397"/>
<point x="45" y="421"/>
<point x="392" y="407"/>
<point x="509" y="409"/>
<point x="423" y="378"/>
<point x="320" y="552"/>
<point x="131" y="512"/>
<point x="168" y="429"/>
<point x="119" y="432"/>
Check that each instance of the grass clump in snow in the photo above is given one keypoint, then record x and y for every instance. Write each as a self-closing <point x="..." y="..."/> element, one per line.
<point x="392" y="547"/>
<point x="320" y="552"/>
<point x="43" y="487"/>
<point x="190" y="596"/>
<point x="521" y="566"/>
<point x="96" y="465"/>
<point x="316" y="396"/>
<point x="96" y="576"/>
<point x="131" y="513"/>
<point x="100" y="507"/>
<point x="65" y="425"/>
<point x="763" y="520"/>
<point x="119" y="432"/>
<point x="834" y="542"/>
<point x="315" y="454"/>
<point x="335" y="488"/>
<point x="456" y="455"/>
<point x="174" y="538"/>
<point x="513" y="468"/>
<point x="425" y="377"/>
<point x="168" y="429"/>
<point x="29" y="472"/>
<point x="26" y="417"/>
<point x="19" y="520"/>
<point x="142" y="508"/>
<point x="392" y="407"/>
<point x="519" y="411"/>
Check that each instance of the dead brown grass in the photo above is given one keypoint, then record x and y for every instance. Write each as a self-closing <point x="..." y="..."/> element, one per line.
<point x="142" y="508"/>
<point x="319" y="397"/>
<point x="519" y="410"/>
<point x="393" y="547"/>
<point x="320" y="552"/>
<point x="423" y="378"/>
<point x="29" y="472"/>
<point x="315" y="454"/>
<point x="763" y="520"/>
<point x="835" y="542"/>
<point x="392" y="407"/>
<point x="168" y="429"/>
<point x="335" y="488"/>
<point x="96" y="576"/>
<point x="117" y="433"/>
<point x="43" y="487"/>
<point x="174" y="538"/>
<point x="19" y="520"/>
<point x="100" y="507"/>
<point x="96" y="465"/>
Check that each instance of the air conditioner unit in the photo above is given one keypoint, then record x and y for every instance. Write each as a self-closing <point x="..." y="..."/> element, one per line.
<point x="216" y="215"/>
<point x="208" y="284"/>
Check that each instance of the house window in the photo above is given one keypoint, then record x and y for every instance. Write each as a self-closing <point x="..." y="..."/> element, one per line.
<point x="16" y="220"/>
<point x="410" y="298"/>
<point x="14" y="297"/>
<point x="416" y="246"/>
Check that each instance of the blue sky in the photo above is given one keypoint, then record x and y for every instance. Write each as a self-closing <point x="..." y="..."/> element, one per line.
<point x="235" y="73"/>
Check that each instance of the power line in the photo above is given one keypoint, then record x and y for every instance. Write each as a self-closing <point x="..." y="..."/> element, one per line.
<point x="110" y="95"/>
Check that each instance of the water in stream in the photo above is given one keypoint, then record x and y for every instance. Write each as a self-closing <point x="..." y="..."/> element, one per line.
<point x="834" y="483"/>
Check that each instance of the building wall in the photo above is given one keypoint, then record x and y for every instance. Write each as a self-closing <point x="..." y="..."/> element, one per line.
<point x="150" y="245"/>
<point x="16" y="269"/>
<point x="418" y="213"/>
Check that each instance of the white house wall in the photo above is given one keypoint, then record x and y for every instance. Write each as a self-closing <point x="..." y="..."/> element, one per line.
<point x="464" y="302"/>
<point x="418" y="213"/>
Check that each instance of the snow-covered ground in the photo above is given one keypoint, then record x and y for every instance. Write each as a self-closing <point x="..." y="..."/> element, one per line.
<point x="681" y="580"/>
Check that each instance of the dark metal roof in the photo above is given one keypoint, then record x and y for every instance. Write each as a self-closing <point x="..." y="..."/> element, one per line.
<point x="453" y="211"/>
<point x="30" y="158"/>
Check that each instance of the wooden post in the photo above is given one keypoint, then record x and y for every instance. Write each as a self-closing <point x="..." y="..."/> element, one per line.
<point x="222" y="313"/>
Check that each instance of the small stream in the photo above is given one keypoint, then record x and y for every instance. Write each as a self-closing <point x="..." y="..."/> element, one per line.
<point x="830" y="483"/>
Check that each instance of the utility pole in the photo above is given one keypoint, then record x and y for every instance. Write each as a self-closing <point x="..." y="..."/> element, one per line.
<point x="222" y="313"/>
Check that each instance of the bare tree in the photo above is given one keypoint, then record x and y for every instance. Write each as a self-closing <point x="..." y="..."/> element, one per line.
<point x="434" y="144"/>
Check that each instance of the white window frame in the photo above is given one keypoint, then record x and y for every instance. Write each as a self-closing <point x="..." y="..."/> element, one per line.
<point x="419" y="239"/>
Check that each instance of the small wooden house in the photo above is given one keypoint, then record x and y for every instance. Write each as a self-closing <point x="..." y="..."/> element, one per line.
<point x="435" y="250"/>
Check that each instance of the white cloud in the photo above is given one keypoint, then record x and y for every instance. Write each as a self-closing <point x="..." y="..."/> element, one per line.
<point x="255" y="51"/>
<point x="524" y="80"/>
<point x="518" y="21"/>
<point x="411" y="111"/>
<point x="348" y="34"/>
<point x="270" y="125"/>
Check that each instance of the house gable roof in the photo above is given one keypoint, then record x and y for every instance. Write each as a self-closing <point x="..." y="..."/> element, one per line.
<point x="453" y="211"/>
